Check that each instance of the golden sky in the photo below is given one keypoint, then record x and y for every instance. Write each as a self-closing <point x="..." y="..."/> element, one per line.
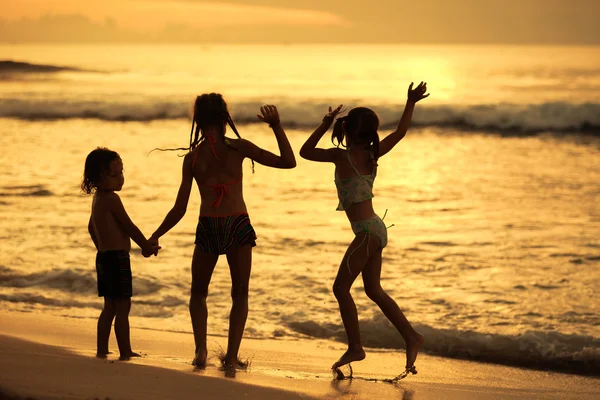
<point x="376" y="21"/>
<point x="156" y="14"/>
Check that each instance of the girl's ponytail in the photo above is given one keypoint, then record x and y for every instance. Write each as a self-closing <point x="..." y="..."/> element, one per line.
<point x="338" y="132"/>
<point x="374" y="139"/>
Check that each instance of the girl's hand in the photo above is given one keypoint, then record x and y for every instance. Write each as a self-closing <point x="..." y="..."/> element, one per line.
<point x="154" y="244"/>
<point x="330" y="116"/>
<point x="147" y="251"/>
<point x="155" y="249"/>
<point x="418" y="93"/>
<point x="270" y="115"/>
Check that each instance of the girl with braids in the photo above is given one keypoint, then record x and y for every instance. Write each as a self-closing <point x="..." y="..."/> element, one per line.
<point x="215" y="162"/>
<point x="355" y="172"/>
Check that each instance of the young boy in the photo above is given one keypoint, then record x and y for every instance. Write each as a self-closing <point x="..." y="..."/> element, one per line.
<point x="111" y="229"/>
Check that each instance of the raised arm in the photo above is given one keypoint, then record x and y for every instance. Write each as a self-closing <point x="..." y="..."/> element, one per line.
<point x="310" y="151"/>
<point x="183" y="196"/>
<point x="391" y="140"/>
<point x="118" y="210"/>
<point x="286" y="159"/>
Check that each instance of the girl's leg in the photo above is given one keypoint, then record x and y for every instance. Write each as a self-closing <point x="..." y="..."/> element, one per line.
<point x="104" y="327"/>
<point x="372" y="282"/>
<point x="352" y="264"/>
<point x="122" y="308"/>
<point x="240" y="265"/>
<point x="203" y="265"/>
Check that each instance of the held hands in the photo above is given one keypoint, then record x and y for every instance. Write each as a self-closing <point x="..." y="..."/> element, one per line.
<point x="270" y="115"/>
<point x="153" y="249"/>
<point x="418" y="93"/>
<point x="330" y="116"/>
<point x="154" y="243"/>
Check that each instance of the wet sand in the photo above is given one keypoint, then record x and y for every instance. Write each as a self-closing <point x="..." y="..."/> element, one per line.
<point x="48" y="357"/>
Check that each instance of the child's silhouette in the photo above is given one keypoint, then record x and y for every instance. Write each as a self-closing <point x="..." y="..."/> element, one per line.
<point x="215" y="163"/>
<point x="111" y="229"/>
<point x="355" y="172"/>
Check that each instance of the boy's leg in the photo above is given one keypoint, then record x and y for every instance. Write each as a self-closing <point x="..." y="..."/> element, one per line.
<point x="122" y="307"/>
<point x="239" y="259"/>
<point x="203" y="265"/>
<point x="104" y="326"/>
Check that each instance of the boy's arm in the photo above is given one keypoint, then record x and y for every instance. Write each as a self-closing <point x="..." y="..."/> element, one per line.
<point x="391" y="140"/>
<point x="93" y="234"/>
<point x="183" y="196"/>
<point x="309" y="149"/>
<point x="118" y="210"/>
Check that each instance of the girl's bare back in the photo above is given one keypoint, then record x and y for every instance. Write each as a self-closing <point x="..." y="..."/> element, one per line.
<point x="217" y="170"/>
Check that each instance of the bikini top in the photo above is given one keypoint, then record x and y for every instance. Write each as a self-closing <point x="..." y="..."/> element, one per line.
<point x="355" y="188"/>
<point x="219" y="189"/>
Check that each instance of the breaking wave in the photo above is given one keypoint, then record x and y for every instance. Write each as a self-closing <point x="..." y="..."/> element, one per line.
<point x="510" y="118"/>
<point x="531" y="349"/>
<point x="67" y="280"/>
<point x="25" y="191"/>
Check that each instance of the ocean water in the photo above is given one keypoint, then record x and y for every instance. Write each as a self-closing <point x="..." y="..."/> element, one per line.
<point x="494" y="194"/>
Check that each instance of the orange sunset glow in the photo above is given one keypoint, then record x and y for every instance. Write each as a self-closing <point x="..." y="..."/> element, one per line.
<point x="300" y="199"/>
<point x="270" y="21"/>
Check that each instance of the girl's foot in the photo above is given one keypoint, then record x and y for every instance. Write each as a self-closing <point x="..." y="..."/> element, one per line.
<point x="200" y="359"/>
<point x="352" y="354"/>
<point x="412" y="349"/>
<point x="235" y="363"/>
<point x="411" y="370"/>
<point x="339" y="375"/>
<point x="126" y="357"/>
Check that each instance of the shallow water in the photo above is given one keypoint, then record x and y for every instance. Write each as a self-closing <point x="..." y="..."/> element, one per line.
<point x="494" y="252"/>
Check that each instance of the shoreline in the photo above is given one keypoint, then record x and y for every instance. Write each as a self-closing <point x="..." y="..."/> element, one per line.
<point x="60" y="363"/>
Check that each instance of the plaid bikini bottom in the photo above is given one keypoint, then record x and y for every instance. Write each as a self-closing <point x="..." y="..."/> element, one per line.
<point x="217" y="234"/>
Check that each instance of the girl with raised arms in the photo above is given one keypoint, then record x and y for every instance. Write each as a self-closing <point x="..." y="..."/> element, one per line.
<point x="214" y="161"/>
<point x="355" y="172"/>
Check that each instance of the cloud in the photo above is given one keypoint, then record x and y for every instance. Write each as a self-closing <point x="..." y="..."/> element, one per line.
<point x="65" y="28"/>
<point x="81" y="29"/>
<point x="154" y="15"/>
<point x="302" y="21"/>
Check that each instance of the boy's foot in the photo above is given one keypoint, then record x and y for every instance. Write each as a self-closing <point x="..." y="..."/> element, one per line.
<point x="102" y="354"/>
<point x="126" y="357"/>
<point x="351" y="355"/>
<point x="412" y="349"/>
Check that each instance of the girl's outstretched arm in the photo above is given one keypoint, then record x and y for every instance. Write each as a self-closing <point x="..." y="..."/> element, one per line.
<point x="310" y="151"/>
<point x="286" y="159"/>
<point x="414" y="95"/>
<point x="180" y="207"/>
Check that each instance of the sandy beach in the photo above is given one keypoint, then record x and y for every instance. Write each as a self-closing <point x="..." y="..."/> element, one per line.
<point x="48" y="357"/>
<point x="470" y="134"/>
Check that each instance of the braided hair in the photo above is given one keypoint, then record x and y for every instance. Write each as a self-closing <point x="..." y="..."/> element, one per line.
<point x="361" y="128"/>
<point x="210" y="110"/>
